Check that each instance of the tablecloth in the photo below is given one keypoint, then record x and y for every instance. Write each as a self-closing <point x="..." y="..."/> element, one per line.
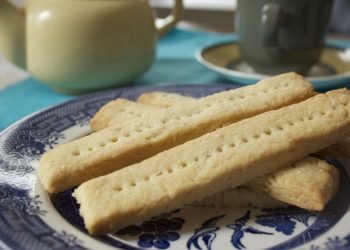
<point x="175" y="63"/>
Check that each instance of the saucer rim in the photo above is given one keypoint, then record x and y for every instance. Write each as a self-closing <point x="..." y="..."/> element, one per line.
<point x="249" y="77"/>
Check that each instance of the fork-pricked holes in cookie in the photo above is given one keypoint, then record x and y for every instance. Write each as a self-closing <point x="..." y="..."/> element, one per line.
<point x="76" y="153"/>
<point x="114" y="139"/>
<point x="219" y="149"/>
<point x="126" y="134"/>
<point x="138" y="130"/>
<point x="184" y="164"/>
<point x="151" y="137"/>
<point x="256" y="136"/>
<point x="291" y="123"/>
<point x="267" y="131"/>
<point x="232" y="145"/>
<point x="244" y="140"/>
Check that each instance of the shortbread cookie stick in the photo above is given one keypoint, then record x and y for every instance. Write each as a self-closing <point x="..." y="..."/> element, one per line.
<point x="164" y="99"/>
<point x="297" y="184"/>
<point x="122" y="108"/>
<point x="227" y="157"/>
<point x="308" y="183"/>
<point x="228" y="105"/>
<point x="240" y="197"/>
<point x="131" y="141"/>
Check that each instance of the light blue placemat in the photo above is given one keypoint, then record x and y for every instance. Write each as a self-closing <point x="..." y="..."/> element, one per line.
<point x="175" y="63"/>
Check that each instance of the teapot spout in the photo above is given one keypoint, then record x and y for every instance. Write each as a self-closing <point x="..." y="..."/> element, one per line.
<point x="12" y="33"/>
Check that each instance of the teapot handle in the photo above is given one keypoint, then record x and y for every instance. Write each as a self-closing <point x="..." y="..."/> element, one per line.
<point x="164" y="25"/>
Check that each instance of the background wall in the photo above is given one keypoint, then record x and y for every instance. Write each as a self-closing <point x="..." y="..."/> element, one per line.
<point x="215" y="15"/>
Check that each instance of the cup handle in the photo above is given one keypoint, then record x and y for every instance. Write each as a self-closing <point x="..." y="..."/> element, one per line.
<point x="271" y="18"/>
<point x="164" y="25"/>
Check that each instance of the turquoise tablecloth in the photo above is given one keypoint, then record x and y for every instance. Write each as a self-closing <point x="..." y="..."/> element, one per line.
<point x="175" y="63"/>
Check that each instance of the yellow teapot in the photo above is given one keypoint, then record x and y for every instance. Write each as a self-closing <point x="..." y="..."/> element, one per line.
<point x="82" y="45"/>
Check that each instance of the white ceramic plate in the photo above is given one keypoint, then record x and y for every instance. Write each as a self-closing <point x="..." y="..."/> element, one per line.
<point x="31" y="219"/>
<point x="221" y="57"/>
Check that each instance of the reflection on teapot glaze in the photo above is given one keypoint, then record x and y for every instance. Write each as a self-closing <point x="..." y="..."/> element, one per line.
<point x="44" y="15"/>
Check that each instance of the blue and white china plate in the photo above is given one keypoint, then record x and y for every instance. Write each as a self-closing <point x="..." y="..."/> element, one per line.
<point x="32" y="219"/>
<point x="332" y="71"/>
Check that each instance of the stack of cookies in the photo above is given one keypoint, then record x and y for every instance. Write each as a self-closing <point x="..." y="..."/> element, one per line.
<point x="242" y="147"/>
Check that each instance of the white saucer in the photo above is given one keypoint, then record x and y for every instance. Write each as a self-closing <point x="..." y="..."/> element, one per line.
<point x="332" y="71"/>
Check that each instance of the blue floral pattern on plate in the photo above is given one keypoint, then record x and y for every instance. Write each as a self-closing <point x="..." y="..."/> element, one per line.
<point x="239" y="229"/>
<point x="335" y="243"/>
<point x="284" y="220"/>
<point x="158" y="232"/>
<point x="206" y="233"/>
<point x="30" y="219"/>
